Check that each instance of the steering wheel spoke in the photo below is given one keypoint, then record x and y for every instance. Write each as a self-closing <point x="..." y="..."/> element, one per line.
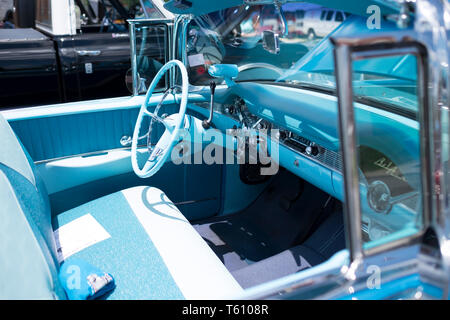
<point x="172" y="124"/>
<point x="169" y="125"/>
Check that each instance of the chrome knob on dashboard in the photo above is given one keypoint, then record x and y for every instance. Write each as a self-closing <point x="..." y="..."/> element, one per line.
<point x="229" y="110"/>
<point x="312" y="150"/>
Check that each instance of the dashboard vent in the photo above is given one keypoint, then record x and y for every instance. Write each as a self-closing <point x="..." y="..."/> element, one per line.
<point x="331" y="159"/>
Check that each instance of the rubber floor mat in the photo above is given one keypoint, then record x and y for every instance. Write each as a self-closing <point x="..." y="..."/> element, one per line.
<point x="280" y="217"/>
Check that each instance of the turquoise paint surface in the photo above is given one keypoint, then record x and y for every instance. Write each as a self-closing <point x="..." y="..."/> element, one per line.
<point x="393" y="288"/>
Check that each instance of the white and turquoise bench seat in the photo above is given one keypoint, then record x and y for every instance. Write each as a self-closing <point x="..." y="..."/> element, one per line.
<point x="153" y="251"/>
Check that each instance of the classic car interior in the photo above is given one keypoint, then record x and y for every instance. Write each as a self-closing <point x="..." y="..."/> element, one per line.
<point x="177" y="228"/>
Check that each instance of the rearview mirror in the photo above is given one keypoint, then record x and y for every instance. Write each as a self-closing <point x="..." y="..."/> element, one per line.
<point x="271" y="42"/>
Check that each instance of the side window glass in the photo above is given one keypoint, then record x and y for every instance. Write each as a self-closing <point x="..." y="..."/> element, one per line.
<point x="330" y="15"/>
<point x="150" y="54"/>
<point x="339" y="17"/>
<point x="323" y="14"/>
<point x="388" y="143"/>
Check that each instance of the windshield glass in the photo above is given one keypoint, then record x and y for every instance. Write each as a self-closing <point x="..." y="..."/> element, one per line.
<point x="234" y="36"/>
<point x="305" y="59"/>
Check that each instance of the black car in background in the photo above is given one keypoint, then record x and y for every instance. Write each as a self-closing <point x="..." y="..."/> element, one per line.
<point x="72" y="50"/>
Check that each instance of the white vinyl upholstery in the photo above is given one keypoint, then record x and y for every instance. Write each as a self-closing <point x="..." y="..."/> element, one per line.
<point x="195" y="268"/>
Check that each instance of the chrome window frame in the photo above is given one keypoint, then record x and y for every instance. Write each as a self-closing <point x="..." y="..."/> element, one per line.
<point x="346" y="51"/>
<point x="168" y="23"/>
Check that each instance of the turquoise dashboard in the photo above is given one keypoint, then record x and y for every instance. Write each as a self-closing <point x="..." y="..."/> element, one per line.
<point x="308" y="138"/>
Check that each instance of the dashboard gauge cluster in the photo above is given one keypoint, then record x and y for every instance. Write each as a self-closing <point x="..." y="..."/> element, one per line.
<point x="247" y="119"/>
<point x="239" y="111"/>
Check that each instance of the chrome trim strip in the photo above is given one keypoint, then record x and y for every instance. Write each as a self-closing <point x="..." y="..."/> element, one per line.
<point x="352" y="203"/>
<point x="181" y="203"/>
<point x="133" y="58"/>
<point x="315" y="159"/>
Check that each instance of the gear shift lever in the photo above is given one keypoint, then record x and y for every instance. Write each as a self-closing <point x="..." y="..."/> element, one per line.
<point x="207" y="123"/>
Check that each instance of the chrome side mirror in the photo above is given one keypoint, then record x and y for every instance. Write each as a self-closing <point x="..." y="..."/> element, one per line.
<point x="271" y="42"/>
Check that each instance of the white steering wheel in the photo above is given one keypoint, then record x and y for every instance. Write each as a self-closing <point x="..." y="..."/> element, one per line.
<point x="159" y="153"/>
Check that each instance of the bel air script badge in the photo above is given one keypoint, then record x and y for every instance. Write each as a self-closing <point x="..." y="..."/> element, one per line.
<point x="390" y="168"/>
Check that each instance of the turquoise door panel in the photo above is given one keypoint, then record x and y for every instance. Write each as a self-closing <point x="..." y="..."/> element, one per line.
<point x="67" y="135"/>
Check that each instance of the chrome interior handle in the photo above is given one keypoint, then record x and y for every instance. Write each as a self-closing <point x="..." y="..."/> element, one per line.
<point x="125" y="141"/>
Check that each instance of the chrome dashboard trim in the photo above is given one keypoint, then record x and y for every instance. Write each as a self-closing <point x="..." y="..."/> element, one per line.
<point x="326" y="153"/>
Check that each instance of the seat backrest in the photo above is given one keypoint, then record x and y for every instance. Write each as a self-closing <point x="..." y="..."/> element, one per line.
<point x="28" y="260"/>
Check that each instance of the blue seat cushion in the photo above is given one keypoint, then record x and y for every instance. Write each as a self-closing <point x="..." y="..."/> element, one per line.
<point x="153" y="251"/>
